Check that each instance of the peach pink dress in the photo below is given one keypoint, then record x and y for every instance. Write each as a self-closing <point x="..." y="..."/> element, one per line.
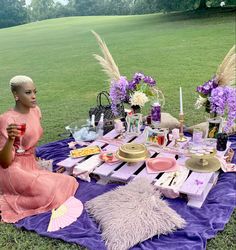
<point x="25" y="189"/>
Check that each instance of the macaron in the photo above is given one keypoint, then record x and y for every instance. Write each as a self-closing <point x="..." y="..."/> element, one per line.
<point x="109" y="156"/>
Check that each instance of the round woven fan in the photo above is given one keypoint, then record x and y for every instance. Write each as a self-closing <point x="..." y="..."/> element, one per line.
<point x="66" y="214"/>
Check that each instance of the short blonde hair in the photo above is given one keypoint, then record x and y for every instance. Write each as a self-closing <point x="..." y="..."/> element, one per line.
<point x="17" y="81"/>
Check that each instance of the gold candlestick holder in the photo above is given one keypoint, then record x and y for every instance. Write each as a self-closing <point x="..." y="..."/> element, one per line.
<point x="176" y="143"/>
<point x="181" y="138"/>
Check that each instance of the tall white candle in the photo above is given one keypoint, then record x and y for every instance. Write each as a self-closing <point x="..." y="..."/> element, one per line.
<point x="181" y="100"/>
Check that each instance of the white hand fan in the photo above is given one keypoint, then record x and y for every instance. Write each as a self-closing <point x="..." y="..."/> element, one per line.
<point x="66" y="214"/>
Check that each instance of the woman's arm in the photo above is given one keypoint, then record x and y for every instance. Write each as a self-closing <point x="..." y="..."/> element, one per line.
<point x="6" y="156"/>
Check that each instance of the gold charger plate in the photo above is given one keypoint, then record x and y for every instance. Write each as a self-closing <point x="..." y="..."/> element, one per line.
<point x="196" y="165"/>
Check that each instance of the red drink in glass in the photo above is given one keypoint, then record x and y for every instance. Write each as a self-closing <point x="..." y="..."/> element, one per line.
<point x="149" y="120"/>
<point x="161" y="140"/>
<point x="22" y="128"/>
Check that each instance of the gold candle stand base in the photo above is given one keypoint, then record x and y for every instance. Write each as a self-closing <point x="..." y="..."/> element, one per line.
<point x="203" y="165"/>
<point x="176" y="143"/>
<point x="181" y="138"/>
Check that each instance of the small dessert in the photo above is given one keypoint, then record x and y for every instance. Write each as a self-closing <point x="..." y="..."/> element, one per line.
<point x="109" y="156"/>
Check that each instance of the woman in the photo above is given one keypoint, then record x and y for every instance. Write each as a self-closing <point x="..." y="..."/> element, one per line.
<point x="25" y="189"/>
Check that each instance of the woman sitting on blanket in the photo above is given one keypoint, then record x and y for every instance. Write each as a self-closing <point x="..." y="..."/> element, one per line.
<point x="25" y="188"/>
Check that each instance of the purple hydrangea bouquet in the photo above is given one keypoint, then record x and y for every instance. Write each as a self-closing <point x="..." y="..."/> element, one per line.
<point x="218" y="95"/>
<point x="137" y="92"/>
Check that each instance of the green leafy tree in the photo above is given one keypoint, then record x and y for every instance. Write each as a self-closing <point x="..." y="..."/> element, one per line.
<point x="231" y="2"/>
<point x="41" y="9"/>
<point x="120" y="7"/>
<point x="202" y="4"/>
<point x="101" y="7"/>
<point x="143" y="7"/>
<point x="185" y="4"/>
<point x="61" y="10"/>
<point x="173" y="5"/>
<point x="12" y="12"/>
<point x="84" y="7"/>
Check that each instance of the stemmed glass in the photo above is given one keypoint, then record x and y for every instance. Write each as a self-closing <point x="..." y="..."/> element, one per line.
<point x="175" y="134"/>
<point x="120" y="128"/>
<point x="21" y="127"/>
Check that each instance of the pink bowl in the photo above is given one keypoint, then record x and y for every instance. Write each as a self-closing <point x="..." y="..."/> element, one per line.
<point x="161" y="163"/>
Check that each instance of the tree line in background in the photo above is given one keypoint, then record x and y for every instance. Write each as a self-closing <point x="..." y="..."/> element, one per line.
<point x="15" y="12"/>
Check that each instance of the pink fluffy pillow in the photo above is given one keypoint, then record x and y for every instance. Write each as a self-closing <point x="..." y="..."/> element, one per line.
<point x="131" y="214"/>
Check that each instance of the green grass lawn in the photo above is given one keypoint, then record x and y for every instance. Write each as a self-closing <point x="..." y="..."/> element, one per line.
<point x="176" y="49"/>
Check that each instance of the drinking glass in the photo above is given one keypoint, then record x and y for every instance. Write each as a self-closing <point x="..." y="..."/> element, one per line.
<point x="175" y="134"/>
<point x="119" y="127"/>
<point x="161" y="138"/>
<point x="21" y="127"/>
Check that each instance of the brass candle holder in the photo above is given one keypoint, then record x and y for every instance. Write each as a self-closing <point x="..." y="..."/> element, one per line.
<point x="176" y="143"/>
<point x="181" y="138"/>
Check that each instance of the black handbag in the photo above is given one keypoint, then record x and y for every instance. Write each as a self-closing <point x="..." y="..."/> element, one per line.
<point x="106" y="110"/>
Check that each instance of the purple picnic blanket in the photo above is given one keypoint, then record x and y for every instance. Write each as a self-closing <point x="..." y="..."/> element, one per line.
<point x="202" y="224"/>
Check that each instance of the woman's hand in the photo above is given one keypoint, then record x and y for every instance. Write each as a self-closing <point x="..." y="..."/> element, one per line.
<point x="12" y="131"/>
<point x="6" y="156"/>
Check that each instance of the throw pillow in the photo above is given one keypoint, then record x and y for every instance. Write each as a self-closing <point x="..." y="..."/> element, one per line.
<point x="168" y="121"/>
<point x="131" y="214"/>
<point x="204" y="127"/>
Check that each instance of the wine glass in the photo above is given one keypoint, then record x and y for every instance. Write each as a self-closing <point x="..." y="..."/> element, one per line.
<point x="21" y="127"/>
<point x="175" y="134"/>
<point x="119" y="127"/>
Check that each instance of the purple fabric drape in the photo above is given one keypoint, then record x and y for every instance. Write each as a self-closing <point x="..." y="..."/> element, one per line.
<point x="202" y="224"/>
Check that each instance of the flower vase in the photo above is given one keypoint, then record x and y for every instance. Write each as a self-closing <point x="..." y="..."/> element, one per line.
<point x="136" y="109"/>
<point x="208" y="106"/>
<point x="156" y="114"/>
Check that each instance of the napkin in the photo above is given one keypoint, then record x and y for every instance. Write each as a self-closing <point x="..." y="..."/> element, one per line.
<point x="83" y="169"/>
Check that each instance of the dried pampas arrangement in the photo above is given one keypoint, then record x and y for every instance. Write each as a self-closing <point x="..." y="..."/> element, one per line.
<point x="122" y="90"/>
<point x="226" y="72"/>
<point x="107" y="62"/>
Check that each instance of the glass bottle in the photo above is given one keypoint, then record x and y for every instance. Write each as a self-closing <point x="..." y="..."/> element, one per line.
<point x="156" y="114"/>
<point x="100" y="126"/>
<point x="92" y="123"/>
